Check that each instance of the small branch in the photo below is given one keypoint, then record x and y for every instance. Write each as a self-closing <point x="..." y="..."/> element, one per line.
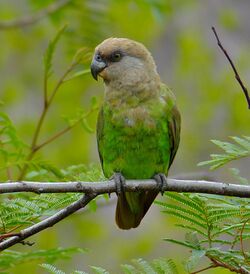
<point x="198" y="186"/>
<point x="47" y="103"/>
<point x="8" y="235"/>
<point x="54" y="137"/>
<point x="203" y="269"/>
<point x="32" y="19"/>
<point x="60" y="82"/>
<point x="237" y="76"/>
<point x="48" y="222"/>
<point x="239" y="269"/>
<point x="62" y="132"/>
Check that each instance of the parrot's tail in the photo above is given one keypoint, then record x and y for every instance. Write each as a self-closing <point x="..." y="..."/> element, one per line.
<point x="131" y="208"/>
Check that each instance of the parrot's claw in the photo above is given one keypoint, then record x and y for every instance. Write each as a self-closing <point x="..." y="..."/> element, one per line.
<point x="161" y="181"/>
<point x="119" y="182"/>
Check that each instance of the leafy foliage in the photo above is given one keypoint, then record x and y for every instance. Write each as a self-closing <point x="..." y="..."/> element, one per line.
<point x="12" y="148"/>
<point x="10" y="258"/>
<point x="233" y="151"/>
<point x="50" y="52"/>
<point x="15" y="153"/>
<point x="139" y="266"/>
<point x="215" y="227"/>
<point x="21" y="210"/>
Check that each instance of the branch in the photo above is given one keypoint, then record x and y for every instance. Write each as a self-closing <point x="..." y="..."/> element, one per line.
<point x="93" y="189"/>
<point x="32" y="19"/>
<point x="237" y="76"/>
<point x="196" y="186"/>
<point x="48" y="222"/>
<point x="47" y="104"/>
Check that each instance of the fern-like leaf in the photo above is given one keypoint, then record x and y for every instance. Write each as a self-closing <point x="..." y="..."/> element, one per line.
<point x="240" y="149"/>
<point x="99" y="270"/>
<point x="52" y="269"/>
<point x="48" y="56"/>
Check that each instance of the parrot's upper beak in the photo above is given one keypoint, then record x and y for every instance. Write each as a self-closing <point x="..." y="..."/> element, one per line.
<point x="97" y="65"/>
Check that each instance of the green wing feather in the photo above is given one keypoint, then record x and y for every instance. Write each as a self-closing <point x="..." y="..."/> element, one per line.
<point x="99" y="133"/>
<point x="174" y="123"/>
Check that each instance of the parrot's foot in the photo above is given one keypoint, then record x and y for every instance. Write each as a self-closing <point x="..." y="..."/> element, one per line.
<point x="119" y="182"/>
<point x="161" y="181"/>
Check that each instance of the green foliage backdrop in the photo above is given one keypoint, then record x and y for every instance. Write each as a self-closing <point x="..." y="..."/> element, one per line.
<point x="212" y="105"/>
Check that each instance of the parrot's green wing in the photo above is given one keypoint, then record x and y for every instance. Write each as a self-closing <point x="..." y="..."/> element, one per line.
<point x="174" y="122"/>
<point x="99" y="133"/>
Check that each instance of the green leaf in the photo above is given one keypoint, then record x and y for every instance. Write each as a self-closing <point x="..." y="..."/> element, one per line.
<point x="94" y="102"/>
<point x="185" y="218"/>
<point x="10" y="258"/>
<point x="187" y="227"/>
<point x="193" y="261"/>
<point x="83" y="55"/>
<point x="77" y="74"/>
<point x="183" y="243"/>
<point x="99" y="270"/>
<point x="191" y="237"/>
<point x="165" y="266"/>
<point x="187" y="200"/>
<point x="52" y="269"/>
<point x="48" y="56"/>
<point x="128" y="269"/>
<point x="144" y="266"/>
<point x="86" y="126"/>
<point x="232" y="152"/>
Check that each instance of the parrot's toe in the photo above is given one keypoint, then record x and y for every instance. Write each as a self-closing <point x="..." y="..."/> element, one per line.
<point x="161" y="181"/>
<point x="119" y="182"/>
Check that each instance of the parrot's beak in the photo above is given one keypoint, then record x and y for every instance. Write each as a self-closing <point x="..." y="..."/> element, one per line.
<point x="97" y="66"/>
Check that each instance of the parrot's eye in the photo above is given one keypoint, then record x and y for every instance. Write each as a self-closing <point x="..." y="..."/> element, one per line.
<point x="98" y="58"/>
<point x="116" y="56"/>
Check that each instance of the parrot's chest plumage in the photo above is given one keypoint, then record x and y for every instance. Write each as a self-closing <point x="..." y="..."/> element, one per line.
<point x="135" y="139"/>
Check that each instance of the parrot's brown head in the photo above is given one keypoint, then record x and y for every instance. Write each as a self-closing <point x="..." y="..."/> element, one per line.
<point x="124" y="64"/>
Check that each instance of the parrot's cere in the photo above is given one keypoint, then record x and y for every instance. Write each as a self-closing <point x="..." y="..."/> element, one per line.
<point x="138" y="128"/>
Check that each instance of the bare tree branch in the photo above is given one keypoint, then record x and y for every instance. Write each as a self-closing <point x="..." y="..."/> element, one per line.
<point x="93" y="189"/>
<point x="48" y="222"/>
<point x="196" y="186"/>
<point x="237" y="76"/>
<point x="32" y="19"/>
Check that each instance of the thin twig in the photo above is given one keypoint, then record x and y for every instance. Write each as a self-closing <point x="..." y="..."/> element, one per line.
<point x="32" y="19"/>
<point x="63" y="131"/>
<point x="48" y="222"/>
<point x="195" y="186"/>
<point x="237" y="76"/>
<point x="46" y="105"/>
<point x="54" y="137"/>
<point x="8" y="235"/>
<point x="62" y="78"/>
<point x="203" y="269"/>
<point x="239" y="269"/>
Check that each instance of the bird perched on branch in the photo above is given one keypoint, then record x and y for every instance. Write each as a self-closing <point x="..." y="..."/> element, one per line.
<point x="138" y="128"/>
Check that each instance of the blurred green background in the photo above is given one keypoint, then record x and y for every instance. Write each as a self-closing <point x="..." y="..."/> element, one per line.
<point x="179" y="35"/>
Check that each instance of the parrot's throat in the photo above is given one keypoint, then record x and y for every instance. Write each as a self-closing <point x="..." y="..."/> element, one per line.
<point x="130" y="94"/>
<point x="128" y="98"/>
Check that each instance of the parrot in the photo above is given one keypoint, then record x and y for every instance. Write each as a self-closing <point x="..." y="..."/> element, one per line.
<point x="138" y="125"/>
